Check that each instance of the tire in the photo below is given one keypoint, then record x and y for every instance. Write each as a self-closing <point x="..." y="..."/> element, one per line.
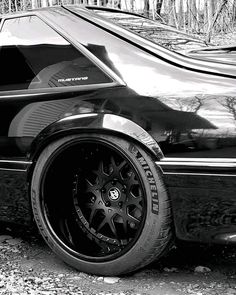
<point x="100" y="203"/>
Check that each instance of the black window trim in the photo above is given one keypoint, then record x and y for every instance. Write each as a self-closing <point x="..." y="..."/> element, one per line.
<point x="116" y="80"/>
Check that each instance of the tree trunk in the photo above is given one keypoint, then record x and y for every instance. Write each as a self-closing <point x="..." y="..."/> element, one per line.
<point x="9" y="6"/>
<point x="24" y="7"/>
<point x="194" y="16"/>
<point x="180" y="14"/>
<point x="173" y="8"/>
<point x="34" y="4"/>
<point x="198" y="15"/>
<point x="234" y="10"/>
<point x="146" y="8"/>
<point x="210" y="12"/>
<point x="15" y="5"/>
<point x="189" y="15"/>
<point x="44" y="3"/>
<point x="215" y="18"/>
<point x="158" y="6"/>
<point x="171" y="12"/>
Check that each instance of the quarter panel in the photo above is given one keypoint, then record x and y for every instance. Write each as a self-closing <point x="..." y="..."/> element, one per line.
<point x="191" y="105"/>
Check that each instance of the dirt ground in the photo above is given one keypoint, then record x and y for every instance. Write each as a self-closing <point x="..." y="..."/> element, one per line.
<point x="29" y="267"/>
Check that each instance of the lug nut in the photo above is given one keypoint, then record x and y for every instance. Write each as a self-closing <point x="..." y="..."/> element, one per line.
<point x="107" y="204"/>
<point x="132" y="224"/>
<point x="103" y="190"/>
<point x="124" y="189"/>
<point x="120" y="204"/>
<point x="113" y="182"/>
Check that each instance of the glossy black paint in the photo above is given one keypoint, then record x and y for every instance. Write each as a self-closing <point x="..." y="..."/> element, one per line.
<point x="182" y="106"/>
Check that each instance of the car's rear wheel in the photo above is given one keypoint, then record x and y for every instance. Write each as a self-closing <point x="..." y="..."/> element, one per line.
<point x="100" y="203"/>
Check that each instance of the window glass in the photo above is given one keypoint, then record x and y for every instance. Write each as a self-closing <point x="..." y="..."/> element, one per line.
<point x="33" y="56"/>
<point x="155" y="31"/>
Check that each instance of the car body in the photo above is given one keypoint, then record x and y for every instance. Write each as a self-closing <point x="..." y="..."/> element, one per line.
<point x="113" y="144"/>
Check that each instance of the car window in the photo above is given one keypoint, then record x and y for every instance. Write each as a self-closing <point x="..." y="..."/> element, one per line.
<point x="35" y="56"/>
<point x="162" y="34"/>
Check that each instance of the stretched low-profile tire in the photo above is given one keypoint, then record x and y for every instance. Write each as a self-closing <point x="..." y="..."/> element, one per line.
<point x="100" y="203"/>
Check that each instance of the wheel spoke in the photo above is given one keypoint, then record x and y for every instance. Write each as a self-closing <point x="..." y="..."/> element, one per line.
<point x="101" y="225"/>
<point x="122" y="165"/>
<point x="100" y="168"/>
<point x="132" y="179"/>
<point x="117" y="168"/>
<point x="88" y="182"/>
<point x="113" y="164"/>
<point x="134" y="201"/>
<point x="112" y="227"/>
<point x="125" y="226"/>
<point x="95" y="190"/>
<point x="67" y="229"/>
<point x="92" y="214"/>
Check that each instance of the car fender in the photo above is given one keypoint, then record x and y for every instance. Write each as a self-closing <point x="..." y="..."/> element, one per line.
<point x="95" y="122"/>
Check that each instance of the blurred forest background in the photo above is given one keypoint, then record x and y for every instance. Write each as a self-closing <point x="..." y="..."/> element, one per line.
<point x="192" y="16"/>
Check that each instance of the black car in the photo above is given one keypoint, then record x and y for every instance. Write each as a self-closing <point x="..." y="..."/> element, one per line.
<point x="113" y="144"/>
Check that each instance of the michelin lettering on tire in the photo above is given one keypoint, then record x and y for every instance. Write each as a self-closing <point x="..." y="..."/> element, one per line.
<point x="150" y="178"/>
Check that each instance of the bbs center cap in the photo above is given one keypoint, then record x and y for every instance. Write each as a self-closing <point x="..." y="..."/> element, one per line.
<point x="114" y="194"/>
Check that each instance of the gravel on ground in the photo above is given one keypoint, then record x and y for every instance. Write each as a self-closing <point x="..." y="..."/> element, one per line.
<point x="27" y="266"/>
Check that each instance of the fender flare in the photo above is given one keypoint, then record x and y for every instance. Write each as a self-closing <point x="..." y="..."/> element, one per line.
<point x="94" y="122"/>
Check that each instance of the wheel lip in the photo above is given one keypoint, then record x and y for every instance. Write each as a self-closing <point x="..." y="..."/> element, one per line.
<point x="47" y="222"/>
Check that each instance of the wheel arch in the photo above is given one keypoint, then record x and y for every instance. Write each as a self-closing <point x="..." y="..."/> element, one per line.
<point x="95" y="122"/>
